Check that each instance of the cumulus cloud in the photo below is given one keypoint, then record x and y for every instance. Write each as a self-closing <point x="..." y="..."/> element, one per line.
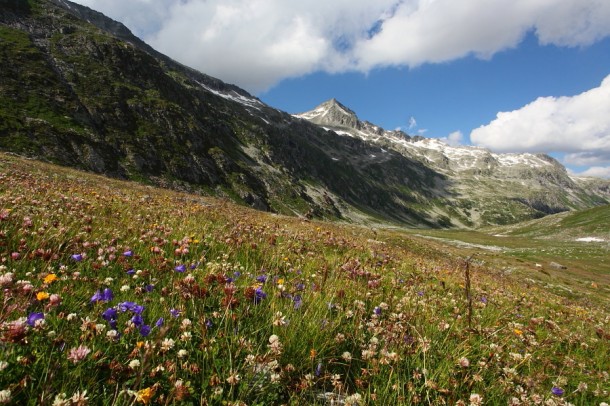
<point x="596" y="172"/>
<point x="257" y="43"/>
<point x="577" y="125"/>
<point x="453" y="139"/>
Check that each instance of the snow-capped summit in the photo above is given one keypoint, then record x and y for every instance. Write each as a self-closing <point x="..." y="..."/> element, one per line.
<point x="445" y="158"/>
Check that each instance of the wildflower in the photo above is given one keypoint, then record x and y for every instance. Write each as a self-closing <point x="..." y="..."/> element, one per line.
<point x="40" y="296"/>
<point x="180" y="268"/>
<point x="102" y="296"/>
<point x="464" y="362"/>
<point x="144" y="330"/>
<point x="298" y="302"/>
<point x="159" y="322"/>
<point x="112" y="335"/>
<point x="33" y="318"/>
<point x="346" y="356"/>
<point x="518" y="332"/>
<point x="78" y="354"/>
<point x="5" y="396"/>
<point x="557" y="391"/>
<point x="275" y="345"/>
<point x="110" y="314"/>
<point x="61" y="400"/>
<point x="131" y="272"/>
<point x="259" y="295"/>
<point x="54" y="299"/>
<point x="318" y="371"/>
<point x="77" y="257"/>
<point x="377" y="311"/>
<point x="182" y="353"/>
<point x="133" y="364"/>
<point x="174" y="312"/>
<point x="353" y="400"/>
<point x="145" y="395"/>
<point x="167" y="344"/>
<point x="262" y="278"/>
<point x="79" y="399"/>
<point x="475" y="399"/>
<point x="128" y="253"/>
<point x="50" y="278"/>
<point x="3" y="365"/>
<point x="233" y="379"/>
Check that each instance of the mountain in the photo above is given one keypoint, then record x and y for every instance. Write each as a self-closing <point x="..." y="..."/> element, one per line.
<point x="479" y="183"/>
<point x="79" y="89"/>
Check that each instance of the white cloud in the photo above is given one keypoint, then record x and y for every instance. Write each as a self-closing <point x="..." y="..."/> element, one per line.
<point x="257" y="43"/>
<point x="596" y="172"/>
<point x="577" y="125"/>
<point x="412" y="123"/>
<point x="453" y="139"/>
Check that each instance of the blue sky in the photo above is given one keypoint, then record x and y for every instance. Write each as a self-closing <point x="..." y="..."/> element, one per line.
<point x="509" y="75"/>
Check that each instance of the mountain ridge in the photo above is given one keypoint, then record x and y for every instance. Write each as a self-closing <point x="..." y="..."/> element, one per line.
<point x="80" y="90"/>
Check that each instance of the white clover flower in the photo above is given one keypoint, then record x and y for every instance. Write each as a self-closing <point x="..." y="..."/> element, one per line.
<point x="5" y="396"/>
<point x="346" y="356"/>
<point x="125" y="288"/>
<point x="133" y="364"/>
<point x="182" y="353"/>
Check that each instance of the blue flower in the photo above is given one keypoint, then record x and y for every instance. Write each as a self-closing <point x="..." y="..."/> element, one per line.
<point x="319" y="369"/>
<point x="126" y="306"/>
<point x="128" y="253"/>
<point x="77" y="257"/>
<point x="300" y="286"/>
<point x="160" y="322"/>
<point x="298" y="301"/>
<point x="259" y="295"/>
<point x="137" y="319"/>
<point x="131" y="271"/>
<point x="261" y="278"/>
<point x="208" y="323"/>
<point x="34" y="317"/>
<point x="180" y="268"/>
<point x="144" y="330"/>
<point x="557" y="391"/>
<point x="174" y="312"/>
<point x="377" y="310"/>
<point x="110" y="314"/>
<point x="107" y="295"/>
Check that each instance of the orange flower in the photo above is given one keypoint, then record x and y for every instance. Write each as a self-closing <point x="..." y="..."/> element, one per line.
<point x="145" y="395"/>
<point x="42" y="296"/>
<point x="312" y="353"/>
<point x="50" y="278"/>
<point x="518" y="332"/>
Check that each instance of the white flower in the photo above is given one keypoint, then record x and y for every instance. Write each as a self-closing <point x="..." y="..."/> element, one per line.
<point x="167" y="344"/>
<point x="133" y="364"/>
<point x="475" y="399"/>
<point x="346" y="356"/>
<point x="112" y="334"/>
<point x="125" y="288"/>
<point x="60" y="400"/>
<point x="3" y="365"/>
<point x="5" y="396"/>
<point x="182" y="353"/>
<point x="71" y="316"/>
<point x="353" y="400"/>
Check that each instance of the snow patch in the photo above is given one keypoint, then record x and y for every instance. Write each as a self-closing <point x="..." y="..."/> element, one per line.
<point x="590" y="239"/>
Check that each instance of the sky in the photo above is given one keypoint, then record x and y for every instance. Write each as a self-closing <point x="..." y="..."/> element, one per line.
<point x="507" y="75"/>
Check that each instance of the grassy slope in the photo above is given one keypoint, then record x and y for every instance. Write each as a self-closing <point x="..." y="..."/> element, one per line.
<point x="363" y="316"/>
<point x="552" y="239"/>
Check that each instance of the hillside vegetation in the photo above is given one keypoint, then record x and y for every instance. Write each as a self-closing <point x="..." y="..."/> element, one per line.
<point x="116" y="293"/>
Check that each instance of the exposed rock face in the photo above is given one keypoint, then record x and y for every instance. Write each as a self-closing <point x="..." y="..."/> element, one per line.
<point x="477" y="179"/>
<point x="78" y="89"/>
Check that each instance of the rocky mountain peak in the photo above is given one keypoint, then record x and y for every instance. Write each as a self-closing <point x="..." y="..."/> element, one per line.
<point x="332" y="113"/>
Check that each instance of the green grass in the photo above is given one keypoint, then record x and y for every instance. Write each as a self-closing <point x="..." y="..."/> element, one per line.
<point x="272" y="309"/>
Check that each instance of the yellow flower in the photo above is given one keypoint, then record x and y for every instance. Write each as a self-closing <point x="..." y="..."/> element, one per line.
<point x="50" y="278"/>
<point x="518" y="332"/>
<point x="42" y="296"/>
<point x="312" y="353"/>
<point x="280" y="281"/>
<point x="140" y="344"/>
<point x="145" y="395"/>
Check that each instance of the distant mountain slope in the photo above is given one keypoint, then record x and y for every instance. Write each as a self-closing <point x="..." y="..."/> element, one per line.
<point x="78" y="89"/>
<point x="479" y="182"/>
